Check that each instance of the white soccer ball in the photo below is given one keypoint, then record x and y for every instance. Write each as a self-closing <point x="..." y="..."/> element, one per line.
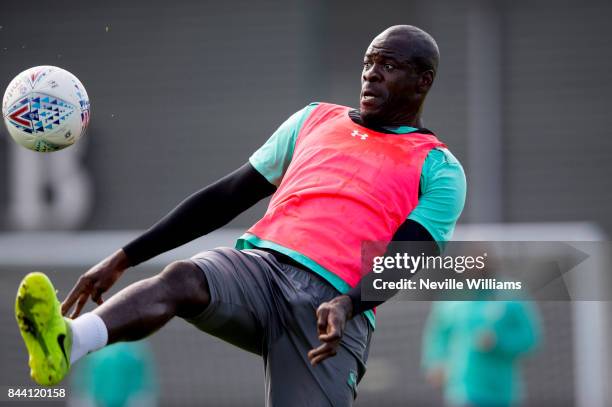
<point x="46" y="108"/>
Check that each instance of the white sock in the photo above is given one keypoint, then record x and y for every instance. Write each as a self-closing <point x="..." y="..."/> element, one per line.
<point x="88" y="334"/>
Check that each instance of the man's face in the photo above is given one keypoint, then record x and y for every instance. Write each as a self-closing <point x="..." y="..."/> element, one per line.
<point x="389" y="82"/>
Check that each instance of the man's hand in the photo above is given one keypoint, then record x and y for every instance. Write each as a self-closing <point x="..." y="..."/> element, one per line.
<point x="95" y="282"/>
<point x="331" y="320"/>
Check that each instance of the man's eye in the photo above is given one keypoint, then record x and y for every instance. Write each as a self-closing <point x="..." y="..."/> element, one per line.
<point x="367" y="65"/>
<point x="389" y="67"/>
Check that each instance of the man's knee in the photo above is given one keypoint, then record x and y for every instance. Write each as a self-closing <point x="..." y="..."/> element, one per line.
<point x="187" y="285"/>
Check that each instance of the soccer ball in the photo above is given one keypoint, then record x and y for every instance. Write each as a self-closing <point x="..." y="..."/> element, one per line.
<point x="46" y="108"/>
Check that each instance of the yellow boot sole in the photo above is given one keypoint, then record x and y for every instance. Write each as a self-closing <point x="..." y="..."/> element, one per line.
<point x="44" y="330"/>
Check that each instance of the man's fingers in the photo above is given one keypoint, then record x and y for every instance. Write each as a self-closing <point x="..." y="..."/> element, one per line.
<point x="331" y="337"/>
<point x="72" y="296"/>
<point x="323" y="348"/>
<point x="332" y="333"/>
<point x="334" y="329"/>
<point x="318" y="351"/>
<point x="321" y="353"/>
<point x="97" y="296"/>
<point x="98" y="299"/>
<point x="80" y="304"/>
<point x="82" y="287"/>
<point x="321" y="358"/>
<point x="322" y="314"/>
<point x="329" y="326"/>
<point x="66" y="307"/>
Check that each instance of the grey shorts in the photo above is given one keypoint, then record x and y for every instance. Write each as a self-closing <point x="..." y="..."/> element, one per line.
<point x="267" y="307"/>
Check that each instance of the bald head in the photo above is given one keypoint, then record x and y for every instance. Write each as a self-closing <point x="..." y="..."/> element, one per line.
<point x="399" y="68"/>
<point x="418" y="46"/>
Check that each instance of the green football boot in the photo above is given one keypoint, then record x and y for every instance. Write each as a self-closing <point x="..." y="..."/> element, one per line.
<point x="46" y="333"/>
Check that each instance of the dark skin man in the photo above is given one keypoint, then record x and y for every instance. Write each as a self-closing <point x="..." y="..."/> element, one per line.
<point x="399" y="68"/>
<point x="393" y="89"/>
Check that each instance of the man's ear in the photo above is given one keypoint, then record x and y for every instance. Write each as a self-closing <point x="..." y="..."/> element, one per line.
<point x="425" y="81"/>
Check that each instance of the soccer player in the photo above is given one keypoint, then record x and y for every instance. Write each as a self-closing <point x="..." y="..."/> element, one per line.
<point x="473" y="350"/>
<point x="290" y="290"/>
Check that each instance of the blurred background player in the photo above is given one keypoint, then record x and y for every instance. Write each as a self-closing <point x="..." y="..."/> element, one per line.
<point x="472" y="350"/>
<point x="120" y="375"/>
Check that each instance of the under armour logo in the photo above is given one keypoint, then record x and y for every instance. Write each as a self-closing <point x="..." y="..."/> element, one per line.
<point x="363" y="136"/>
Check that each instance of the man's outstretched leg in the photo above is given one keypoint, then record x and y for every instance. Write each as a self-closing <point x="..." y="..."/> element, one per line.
<point x="54" y="343"/>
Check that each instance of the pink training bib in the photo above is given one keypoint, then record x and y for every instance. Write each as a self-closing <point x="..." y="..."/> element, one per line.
<point x="345" y="185"/>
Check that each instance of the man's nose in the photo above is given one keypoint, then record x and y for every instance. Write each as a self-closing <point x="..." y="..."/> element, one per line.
<point x="372" y="74"/>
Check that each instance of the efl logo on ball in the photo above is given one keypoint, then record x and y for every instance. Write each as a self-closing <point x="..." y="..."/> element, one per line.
<point x="46" y="108"/>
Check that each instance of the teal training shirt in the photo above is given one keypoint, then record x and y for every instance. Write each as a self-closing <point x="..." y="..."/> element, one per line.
<point x="476" y="376"/>
<point x="442" y="190"/>
<point x="118" y="375"/>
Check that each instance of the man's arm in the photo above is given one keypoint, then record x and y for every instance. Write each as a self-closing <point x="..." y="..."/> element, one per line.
<point x="409" y="231"/>
<point x="201" y="213"/>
